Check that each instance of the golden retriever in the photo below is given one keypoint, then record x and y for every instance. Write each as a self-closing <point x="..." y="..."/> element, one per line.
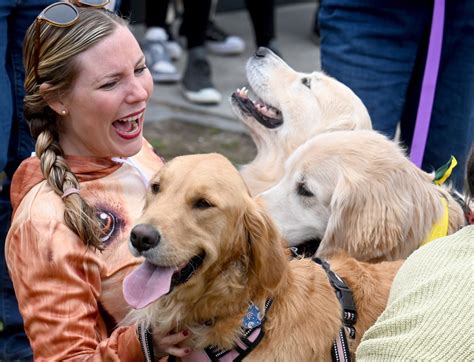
<point x="292" y="108"/>
<point x="211" y="250"/>
<point x="357" y="191"/>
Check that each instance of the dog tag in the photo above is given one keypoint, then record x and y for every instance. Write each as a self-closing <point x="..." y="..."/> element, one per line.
<point x="253" y="318"/>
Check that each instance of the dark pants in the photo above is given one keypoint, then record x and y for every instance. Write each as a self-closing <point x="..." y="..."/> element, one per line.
<point x="378" y="48"/>
<point x="195" y="19"/>
<point x="15" y="145"/>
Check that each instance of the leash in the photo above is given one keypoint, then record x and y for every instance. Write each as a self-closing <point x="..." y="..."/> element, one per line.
<point x="428" y="87"/>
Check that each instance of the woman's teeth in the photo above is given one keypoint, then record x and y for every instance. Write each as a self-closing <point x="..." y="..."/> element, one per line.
<point x="128" y="125"/>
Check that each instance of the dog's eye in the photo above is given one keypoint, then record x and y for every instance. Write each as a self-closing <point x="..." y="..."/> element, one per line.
<point x="302" y="190"/>
<point x="306" y="82"/>
<point x="202" y="204"/>
<point x="155" y="187"/>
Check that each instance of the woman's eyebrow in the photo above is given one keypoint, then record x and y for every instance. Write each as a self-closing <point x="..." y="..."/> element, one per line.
<point x="117" y="74"/>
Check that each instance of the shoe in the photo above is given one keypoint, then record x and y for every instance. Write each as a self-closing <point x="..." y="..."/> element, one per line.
<point x="157" y="57"/>
<point x="221" y="43"/>
<point x="197" y="84"/>
<point x="174" y="48"/>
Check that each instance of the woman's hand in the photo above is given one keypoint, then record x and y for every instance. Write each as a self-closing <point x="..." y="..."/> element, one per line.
<point x="169" y="344"/>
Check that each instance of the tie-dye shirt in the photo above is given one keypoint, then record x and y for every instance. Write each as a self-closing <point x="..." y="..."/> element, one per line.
<point x="70" y="296"/>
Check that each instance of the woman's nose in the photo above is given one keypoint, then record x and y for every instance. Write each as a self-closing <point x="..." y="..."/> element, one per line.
<point x="138" y="91"/>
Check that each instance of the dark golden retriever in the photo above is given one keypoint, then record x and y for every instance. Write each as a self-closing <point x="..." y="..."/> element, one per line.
<point x="211" y="250"/>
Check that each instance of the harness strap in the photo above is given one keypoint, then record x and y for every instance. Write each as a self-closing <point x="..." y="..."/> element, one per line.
<point x="340" y="350"/>
<point x="247" y="343"/>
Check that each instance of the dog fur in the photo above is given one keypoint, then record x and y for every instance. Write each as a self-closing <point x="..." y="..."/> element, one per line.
<point x="203" y="205"/>
<point x="298" y="106"/>
<point x="357" y="191"/>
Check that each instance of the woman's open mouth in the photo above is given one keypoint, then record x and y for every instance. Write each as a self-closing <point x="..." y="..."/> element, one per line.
<point x="268" y="116"/>
<point x="129" y="127"/>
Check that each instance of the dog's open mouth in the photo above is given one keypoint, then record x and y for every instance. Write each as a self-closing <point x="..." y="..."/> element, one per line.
<point x="266" y="115"/>
<point x="149" y="282"/>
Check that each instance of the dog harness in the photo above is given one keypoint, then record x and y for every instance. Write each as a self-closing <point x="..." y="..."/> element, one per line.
<point x="253" y="332"/>
<point x="340" y="349"/>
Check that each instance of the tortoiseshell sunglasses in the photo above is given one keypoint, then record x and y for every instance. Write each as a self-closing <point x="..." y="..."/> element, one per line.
<point x="60" y="14"/>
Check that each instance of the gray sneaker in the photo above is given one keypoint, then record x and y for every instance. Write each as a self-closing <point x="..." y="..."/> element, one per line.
<point x="197" y="84"/>
<point x="157" y="57"/>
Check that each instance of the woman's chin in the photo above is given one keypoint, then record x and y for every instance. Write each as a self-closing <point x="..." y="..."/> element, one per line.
<point x="130" y="148"/>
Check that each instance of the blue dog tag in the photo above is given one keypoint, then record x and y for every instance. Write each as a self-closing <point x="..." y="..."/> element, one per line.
<point x="253" y="318"/>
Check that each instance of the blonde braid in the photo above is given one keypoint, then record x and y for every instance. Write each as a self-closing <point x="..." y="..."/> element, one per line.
<point x="79" y="216"/>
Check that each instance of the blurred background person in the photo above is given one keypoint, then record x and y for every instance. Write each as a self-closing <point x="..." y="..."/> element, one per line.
<point x="379" y="48"/>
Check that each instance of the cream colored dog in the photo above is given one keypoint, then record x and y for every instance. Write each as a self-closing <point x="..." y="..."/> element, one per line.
<point x="292" y="108"/>
<point x="357" y="191"/>
<point x="211" y="251"/>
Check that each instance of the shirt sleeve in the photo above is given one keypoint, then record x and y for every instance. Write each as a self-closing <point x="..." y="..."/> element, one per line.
<point x="57" y="281"/>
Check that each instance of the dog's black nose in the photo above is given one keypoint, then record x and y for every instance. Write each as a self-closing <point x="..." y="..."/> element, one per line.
<point x="261" y="52"/>
<point x="144" y="237"/>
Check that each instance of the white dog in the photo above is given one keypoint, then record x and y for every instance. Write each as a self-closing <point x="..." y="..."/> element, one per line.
<point x="357" y="191"/>
<point x="292" y="108"/>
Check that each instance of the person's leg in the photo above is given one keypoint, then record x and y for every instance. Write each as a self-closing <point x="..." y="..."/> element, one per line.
<point x="452" y="123"/>
<point x="155" y="13"/>
<point x="197" y="84"/>
<point x="15" y="345"/>
<point x="158" y="47"/>
<point x="195" y="18"/>
<point x="262" y="14"/>
<point x="372" y="47"/>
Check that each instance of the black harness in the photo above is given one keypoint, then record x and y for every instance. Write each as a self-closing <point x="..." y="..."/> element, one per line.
<point x="340" y="349"/>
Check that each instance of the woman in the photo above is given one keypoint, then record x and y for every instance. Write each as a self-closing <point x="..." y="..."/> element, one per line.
<point x="87" y="87"/>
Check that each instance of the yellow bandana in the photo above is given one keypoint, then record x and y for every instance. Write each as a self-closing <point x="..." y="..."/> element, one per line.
<point x="440" y="228"/>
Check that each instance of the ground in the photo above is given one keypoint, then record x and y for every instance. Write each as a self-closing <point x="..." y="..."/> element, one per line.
<point x="174" y="138"/>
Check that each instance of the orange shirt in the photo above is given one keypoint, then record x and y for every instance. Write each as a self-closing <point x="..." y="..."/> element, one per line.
<point x="68" y="293"/>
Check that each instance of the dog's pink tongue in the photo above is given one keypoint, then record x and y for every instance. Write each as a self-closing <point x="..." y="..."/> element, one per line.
<point x="146" y="284"/>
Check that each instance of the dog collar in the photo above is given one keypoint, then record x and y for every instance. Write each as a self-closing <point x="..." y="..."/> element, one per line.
<point x="253" y="332"/>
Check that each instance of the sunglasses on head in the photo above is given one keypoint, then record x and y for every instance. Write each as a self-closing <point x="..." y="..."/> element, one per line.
<point x="63" y="15"/>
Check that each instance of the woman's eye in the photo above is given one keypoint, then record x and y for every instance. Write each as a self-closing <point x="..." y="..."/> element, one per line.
<point x="202" y="204"/>
<point x="302" y="190"/>
<point x="140" y="70"/>
<point x="108" y="85"/>
<point x="155" y="188"/>
<point x="306" y="82"/>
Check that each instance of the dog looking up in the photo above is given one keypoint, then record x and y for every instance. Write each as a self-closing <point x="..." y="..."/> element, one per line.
<point x="292" y="108"/>
<point x="211" y="250"/>
<point x="357" y="191"/>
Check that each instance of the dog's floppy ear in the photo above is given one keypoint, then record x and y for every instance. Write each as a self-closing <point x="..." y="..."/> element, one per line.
<point x="267" y="259"/>
<point x="389" y="219"/>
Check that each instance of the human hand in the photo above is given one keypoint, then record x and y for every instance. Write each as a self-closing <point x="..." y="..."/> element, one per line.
<point x="169" y="344"/>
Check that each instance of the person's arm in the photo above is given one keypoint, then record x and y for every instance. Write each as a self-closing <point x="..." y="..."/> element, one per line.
<point x="58" y="283"/>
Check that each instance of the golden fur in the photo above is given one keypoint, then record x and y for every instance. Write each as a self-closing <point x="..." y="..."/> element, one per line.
<point x="367" y="197"/>
<point x="308" y="104"/>
<point x="245" y="261"/>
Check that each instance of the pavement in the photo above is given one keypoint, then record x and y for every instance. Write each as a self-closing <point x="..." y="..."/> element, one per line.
<point x="293" y="27"/>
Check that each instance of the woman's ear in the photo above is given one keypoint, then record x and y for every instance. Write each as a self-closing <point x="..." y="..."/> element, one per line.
<point x="51" y="97"/>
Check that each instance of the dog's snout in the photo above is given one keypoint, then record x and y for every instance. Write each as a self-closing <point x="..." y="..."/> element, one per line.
<point x="144" y="237"/>
<point x="262" y="52"/>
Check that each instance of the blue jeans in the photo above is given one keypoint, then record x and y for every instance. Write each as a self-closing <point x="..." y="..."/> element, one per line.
<point x="378" y="49"/>
<point x="15" y="145"/>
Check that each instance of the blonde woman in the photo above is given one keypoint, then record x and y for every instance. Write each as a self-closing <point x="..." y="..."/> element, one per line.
<point x="74" y="203"/>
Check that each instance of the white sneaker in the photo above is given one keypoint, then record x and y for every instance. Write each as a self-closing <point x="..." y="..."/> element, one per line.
<point x="157" y="58"/>
<point x="221" y="43"/>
